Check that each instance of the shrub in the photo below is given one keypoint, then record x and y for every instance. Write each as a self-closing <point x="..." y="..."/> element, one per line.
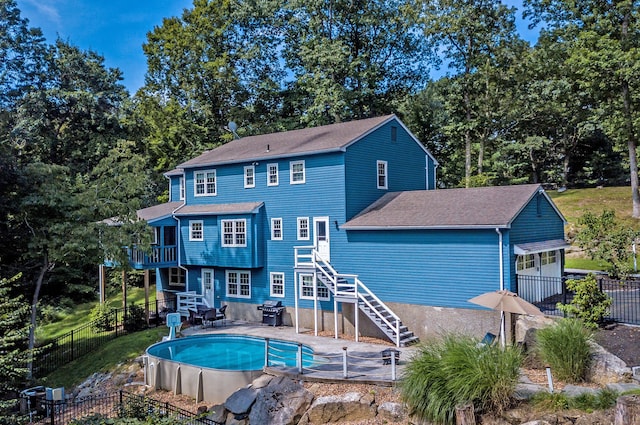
<point x="457" y="370"/>
<point x="566" y="348"/>
<point x="589" y="304"/>
<point x="102" y="318"/>
<point x="588" y="402"/>
<point x="134" y="320"/>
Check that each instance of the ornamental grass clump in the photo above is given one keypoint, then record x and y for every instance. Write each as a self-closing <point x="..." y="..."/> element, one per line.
<point x="457" y="370"/>
<point x="565" y="347"/>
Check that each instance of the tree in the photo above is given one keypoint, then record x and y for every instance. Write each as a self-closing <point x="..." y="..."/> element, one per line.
<point x="212" y="65"/>
<point x="75" y="118"/>
<point x="353" y="59"/>
<point x="13" y="343"/>
<point x="603" y="41"/>
<point x="605" y="239"/>
<point x="475" y="38"/>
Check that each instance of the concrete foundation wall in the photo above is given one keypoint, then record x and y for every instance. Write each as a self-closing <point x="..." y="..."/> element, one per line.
<point x="424" y="321"/>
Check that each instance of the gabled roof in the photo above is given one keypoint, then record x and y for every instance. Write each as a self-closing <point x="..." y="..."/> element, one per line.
<point x="158" y="211"/>
<point x="483" y="207"/>
<point x="327" y="138"/>
<point x="220" y="209"/>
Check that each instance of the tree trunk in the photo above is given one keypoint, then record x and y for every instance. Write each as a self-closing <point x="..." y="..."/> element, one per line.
<point x="34" y="314"/>
<point x="627" y="410"/>
<point x="465" y="415"/>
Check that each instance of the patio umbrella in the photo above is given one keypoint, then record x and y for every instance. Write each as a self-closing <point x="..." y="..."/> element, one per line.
<point x="506" y="301"/>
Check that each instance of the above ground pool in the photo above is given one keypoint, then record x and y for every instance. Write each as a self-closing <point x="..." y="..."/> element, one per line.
<point x="230" y="352"/>
<point x="212" y="367"/>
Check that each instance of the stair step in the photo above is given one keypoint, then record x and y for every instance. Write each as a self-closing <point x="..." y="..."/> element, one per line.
<point x="409" y="341"/>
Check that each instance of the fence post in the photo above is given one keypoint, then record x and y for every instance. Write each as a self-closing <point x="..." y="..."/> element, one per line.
<point x="157" y="314"/>
<point x="72" y="346"/>
<point x="266" y="352"/>
<point x="393" y="365"/>
<point x="564" y="294"/>
<point x="52" y="413"/>
<point x="345" y="372"/>
<point x="299" y="358"/>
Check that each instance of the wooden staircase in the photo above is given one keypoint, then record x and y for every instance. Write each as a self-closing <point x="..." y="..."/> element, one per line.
<point x="347" y="288"/>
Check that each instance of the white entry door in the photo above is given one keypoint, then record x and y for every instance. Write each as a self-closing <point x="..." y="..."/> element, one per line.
<point x="321" y="237"/>
<point x="208" y="288"/>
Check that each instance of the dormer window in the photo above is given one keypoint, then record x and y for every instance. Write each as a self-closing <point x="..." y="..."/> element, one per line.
<point x="205" y="183"/>
<point x="297" y="172"/>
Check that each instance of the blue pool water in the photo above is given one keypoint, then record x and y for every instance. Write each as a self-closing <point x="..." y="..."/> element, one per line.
<point x="230" y="352"/>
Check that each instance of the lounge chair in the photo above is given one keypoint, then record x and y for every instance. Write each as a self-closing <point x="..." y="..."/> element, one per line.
<point x="221" y="314"/>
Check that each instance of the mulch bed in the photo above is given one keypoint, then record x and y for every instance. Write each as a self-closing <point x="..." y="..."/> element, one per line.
<point x="622" y="341"/>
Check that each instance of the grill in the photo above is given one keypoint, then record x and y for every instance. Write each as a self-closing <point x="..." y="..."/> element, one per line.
<point x="272" y="312"/>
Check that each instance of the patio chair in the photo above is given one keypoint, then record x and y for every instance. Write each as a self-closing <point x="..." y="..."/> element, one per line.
<point x="221" y="314"/>
<point x="209" y="317"/>
<point x="488" y="340"/>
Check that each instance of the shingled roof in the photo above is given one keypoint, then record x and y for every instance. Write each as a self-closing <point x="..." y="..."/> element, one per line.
<point x="326" y="138"/>
<point x="485" y="207"/>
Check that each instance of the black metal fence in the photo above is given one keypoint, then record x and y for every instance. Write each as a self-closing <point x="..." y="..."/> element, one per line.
<point x="90" y="336"/>
<point x="547" y="292"/>
<point x="118" y="404"/>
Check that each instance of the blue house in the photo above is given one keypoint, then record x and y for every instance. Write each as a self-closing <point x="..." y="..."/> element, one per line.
<point x="344" y="226"/>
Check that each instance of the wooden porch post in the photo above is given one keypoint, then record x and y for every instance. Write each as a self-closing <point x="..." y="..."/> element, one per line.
<point x="124" y="290"/>
<point x="146" y="295"/>
<point x="102" y="282"/>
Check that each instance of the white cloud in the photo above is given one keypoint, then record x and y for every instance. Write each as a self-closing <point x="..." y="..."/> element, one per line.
<point x="45" y="9"/>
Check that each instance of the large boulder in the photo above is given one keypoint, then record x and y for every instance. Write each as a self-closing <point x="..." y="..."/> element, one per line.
<point x="392" y="412"/>
<point x="240" y="402"/>
<point x="606" y="368"/>
<point x="348" y="407"/>
<point x="281" y="401"/>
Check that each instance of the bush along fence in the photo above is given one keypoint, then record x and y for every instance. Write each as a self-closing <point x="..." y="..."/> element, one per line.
<point x="547" y="292"/>
<point x="117" y="404"/>
<point x="108" y="324"/>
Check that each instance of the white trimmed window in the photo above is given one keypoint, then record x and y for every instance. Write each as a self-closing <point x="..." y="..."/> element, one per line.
<point x="249" y="176"/>
<point x="238" y="284"/>
<point x="177" y="276"/>
<point x="297" y="172"/>
<point x="234" y="233"/>
<point x="382" y="174"/>
<point x="548" y="257"/>
<point x="272" y="174"/>
<point x="276" y="284"/>
<point x="276" y="229"/>
<point x="306" y="288"/>
<point x="155" y="236"/>
<point x="182" y="189"/>
<point x="303" y="228"/>
<point x="196" y="230"/>
<point x="205" y="183"/>
<point x="527" y="261"/>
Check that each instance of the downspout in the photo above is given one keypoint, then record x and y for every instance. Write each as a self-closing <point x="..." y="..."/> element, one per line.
<point x="502" y="318"/>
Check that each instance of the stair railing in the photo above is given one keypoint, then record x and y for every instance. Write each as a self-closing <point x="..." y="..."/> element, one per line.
<point x="396" y="319"/>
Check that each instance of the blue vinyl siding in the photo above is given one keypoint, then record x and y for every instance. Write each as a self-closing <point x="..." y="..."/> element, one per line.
<point x="538" y="221"/>
<point x="210" y="252"/>
<point x="428" y="267"/>
<point x="406" y="166"/>
<point x="174" y="188"/>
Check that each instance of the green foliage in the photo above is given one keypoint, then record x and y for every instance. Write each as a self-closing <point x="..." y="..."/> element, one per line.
<point x="589" y="304"/>
<point x="103" y="317"/>
<point x="588" y="402"/>
<point x="14" y="313"/>
<point x="151" y="419"/>
<point x="606" y="239"/>
<point x="565" y="347"/>
<point x="457" y="370"/>
<point x="134" y="319"/>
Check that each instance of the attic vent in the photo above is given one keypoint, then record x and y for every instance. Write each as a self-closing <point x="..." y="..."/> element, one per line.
<point x="394" y="134"/>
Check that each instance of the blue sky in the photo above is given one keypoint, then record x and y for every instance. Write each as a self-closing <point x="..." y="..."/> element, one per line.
<point x="116" y="29"/>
